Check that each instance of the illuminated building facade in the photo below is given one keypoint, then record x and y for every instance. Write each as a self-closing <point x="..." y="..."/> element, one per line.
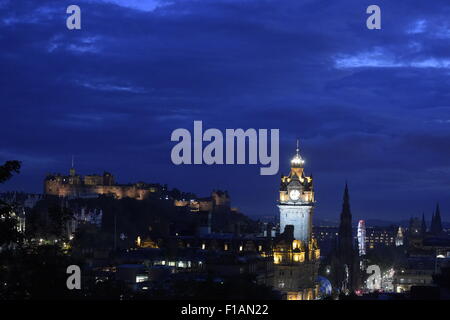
<point x="380" y="237"/>
<point x="375" y="236"/>
<point x="296" y="254"/>
<point x="399" y="237"/>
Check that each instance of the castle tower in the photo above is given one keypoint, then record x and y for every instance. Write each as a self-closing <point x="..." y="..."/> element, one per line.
<point x="297" y="200"/>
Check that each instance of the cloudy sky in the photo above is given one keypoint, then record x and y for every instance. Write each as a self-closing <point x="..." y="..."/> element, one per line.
<point x="370" y="106"/>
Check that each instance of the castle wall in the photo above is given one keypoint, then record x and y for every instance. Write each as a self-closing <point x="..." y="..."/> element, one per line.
<point x="57" y="187"/>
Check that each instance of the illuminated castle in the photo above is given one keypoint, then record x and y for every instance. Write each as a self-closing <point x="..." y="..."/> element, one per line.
<point x="296" y="253"/>
<point x="77" y="186"/>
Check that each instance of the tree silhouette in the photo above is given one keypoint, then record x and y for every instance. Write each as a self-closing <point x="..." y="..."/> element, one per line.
<point x="7" y="170"/>
<point x="8" y="220"/>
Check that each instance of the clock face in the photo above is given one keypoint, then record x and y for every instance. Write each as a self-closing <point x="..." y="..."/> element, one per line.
<point x="294" y="195"/>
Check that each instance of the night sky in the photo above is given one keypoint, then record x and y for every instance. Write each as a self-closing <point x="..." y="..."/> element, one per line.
<point x="370" y="106"/>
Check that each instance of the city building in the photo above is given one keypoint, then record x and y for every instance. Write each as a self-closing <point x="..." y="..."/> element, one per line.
<point x="427" y="254"/>
<point x="326" y="237"/>
<point x="375" y="237"/>
<point x="418" y="271"/>
<point x="380" y="236"/>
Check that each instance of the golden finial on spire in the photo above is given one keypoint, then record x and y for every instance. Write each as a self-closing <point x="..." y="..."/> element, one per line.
<point x="297" y="161"/>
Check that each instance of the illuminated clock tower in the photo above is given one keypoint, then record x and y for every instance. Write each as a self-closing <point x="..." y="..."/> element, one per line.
<point x="296" y="254"/>
<point x="297" y="200"/>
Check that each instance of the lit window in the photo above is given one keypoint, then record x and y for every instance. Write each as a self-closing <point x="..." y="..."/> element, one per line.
<point x="141" y="278"/>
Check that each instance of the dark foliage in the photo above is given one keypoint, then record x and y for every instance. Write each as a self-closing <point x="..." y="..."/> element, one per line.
<point x="8" y="169"/>
<point x="35" y="273"/>
<point x="8" y="232"/>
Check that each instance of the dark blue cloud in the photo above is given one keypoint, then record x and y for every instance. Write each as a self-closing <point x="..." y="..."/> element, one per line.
<point x="372" y="107"/>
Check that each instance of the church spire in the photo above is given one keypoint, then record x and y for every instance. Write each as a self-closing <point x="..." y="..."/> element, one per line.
<point x="346" y="254"/>
<point x="433" y="223"/>
<point x="346" y="202"/>
<point x="345" y="226"/>
<point x="72" y="168"/>
<point x="424" y="224"/>
<point x="437" y="225"/>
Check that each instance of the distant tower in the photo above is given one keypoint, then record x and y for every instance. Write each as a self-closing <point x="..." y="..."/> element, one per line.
<point x="399" y="237"/>
<point x="362" y="237"/>
<point x="297" y="200"/>
<point x="72" y="169"/>
<point x="424" y="225"/>
<point x="436" y="222"/>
